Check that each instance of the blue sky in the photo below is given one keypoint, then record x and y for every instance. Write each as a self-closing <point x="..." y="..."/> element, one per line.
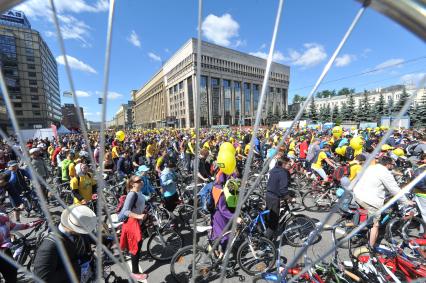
<point x="147" y="33"/>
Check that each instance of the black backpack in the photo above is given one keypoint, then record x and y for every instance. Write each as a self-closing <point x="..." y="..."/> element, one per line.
<point x="350" y="153"/>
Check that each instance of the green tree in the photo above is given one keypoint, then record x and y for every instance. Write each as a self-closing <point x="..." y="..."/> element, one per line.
<point x="313" y="115"/>
<point x="380" y="108"/>
<point x="345" y="114"/>
<point x="298" y="99"/>
<point x="284" y="115"/>
<point x="321" y="114"/>
<point x="389" y="107"/>
<point x="402" y="99"/>
<point x="327" y="113"/>
<point x="335" y="113"/>
<point x="345" y="91"/>
<point x="421" y="113"/>
<point x="364" y="109"/>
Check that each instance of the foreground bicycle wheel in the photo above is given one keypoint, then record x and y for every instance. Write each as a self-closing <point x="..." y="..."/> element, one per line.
<point x="181" y="265"/>
<point x="162" y="246"/>
<point x="297" y="229"/>
<point x="256" y="255"/>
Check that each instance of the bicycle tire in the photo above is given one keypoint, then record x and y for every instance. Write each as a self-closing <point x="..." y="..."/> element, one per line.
<point x="341" y="230"/>
<point x="297" y="226"/>
<point x="185" y="212"/>
<point x="163" y="246"/>
<point x="181" y="267"/>
<point x="264" y="250"/>
<point x="312" y="203"/>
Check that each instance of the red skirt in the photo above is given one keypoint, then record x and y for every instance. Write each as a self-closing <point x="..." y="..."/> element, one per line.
<point x="131" y="235"/>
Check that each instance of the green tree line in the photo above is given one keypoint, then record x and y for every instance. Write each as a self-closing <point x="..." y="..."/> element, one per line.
<point x="365" y="111"/>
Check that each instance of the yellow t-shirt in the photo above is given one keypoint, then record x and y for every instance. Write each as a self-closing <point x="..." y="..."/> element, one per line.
<point x="318" y="163"/>
<point x="150" y="150"/>
<point x="114" y="152"/>
<point x="247" y="149"/>
<point x="206" y="145"/>
<point x="84" y="187"/>
<point x="71" y="170"/>
<point x="355" y="168"/>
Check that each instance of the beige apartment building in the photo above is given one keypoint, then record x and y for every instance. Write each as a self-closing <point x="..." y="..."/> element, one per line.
<point x="150" y="103"/>
<point x="231" y="83"/>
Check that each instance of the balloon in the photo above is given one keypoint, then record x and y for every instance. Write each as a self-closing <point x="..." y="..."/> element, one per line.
<point x="357" y="143"/>
<point x="226" y="162"/>
<point x="337" y="132"/>
<point x="227" y="147"/>
<point x="120" y="135"/>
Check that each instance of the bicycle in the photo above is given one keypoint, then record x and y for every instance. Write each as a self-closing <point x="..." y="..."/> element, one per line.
<point x="253" y="254"/>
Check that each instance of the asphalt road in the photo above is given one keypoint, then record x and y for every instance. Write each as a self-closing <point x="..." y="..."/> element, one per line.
<point x="160" y="271"/>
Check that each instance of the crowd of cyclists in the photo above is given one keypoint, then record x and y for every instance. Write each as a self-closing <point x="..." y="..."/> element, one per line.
<point x="148" y="191"/>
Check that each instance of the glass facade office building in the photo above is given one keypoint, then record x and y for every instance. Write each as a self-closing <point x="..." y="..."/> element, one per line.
<point x="31" y="74"/>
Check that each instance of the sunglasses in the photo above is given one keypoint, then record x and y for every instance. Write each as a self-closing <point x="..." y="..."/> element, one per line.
<point x="138" y="181"/>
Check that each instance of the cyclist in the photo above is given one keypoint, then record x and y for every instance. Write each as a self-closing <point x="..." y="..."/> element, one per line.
<point x="370" y="192"/>
<point x="76" y="222"/>
<point x="279" y="178"/>
<point x="9" y="271"/>
<point x="83" y="185"/>
<point x="168" y="185"/>
<point x="420" y="187"/>
<point x="147" y="188"/>
<point x="39" y="167"/>
<point x="68" y="167"/>
<point x="132" y="214"/>
<point x="204" y="166"/>
<point x="161" y="161"/>
<point x="124" y="165"/>
<point x="355" y="166"/>
<point x="317" y="162"/>
<point x="16" y="185"/>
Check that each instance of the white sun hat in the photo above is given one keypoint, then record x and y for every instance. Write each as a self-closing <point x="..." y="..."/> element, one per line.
<point x="79" y="218"/>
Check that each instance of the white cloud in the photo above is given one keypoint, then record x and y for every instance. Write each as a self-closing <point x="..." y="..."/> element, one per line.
<point x="240" y="43"/>
<point x="263" y="46"/>
<point x="76" y="64"/>
<point x="311" y="55"/>
<point x="82" y="93"/>
<point x="220" y="30"/>
<point x="344" y="60"/>
<point x="167" y="50"/>
<point x="72" y="28"/>
<point x="389" y="63"/>
<point x="38" y="8"/>
<point x="133" y="38"/>
<point x="111" y="94"/>
<point x="278" y="56"/>
<point x="154" y="57"/>
<point x="413" y="78"/>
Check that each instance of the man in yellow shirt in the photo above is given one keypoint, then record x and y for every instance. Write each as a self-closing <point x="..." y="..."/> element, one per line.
<point x="356" y="166"/>
<point x="151" y="152"/>
<point x="83" y="185"/>
<point x="318" y="159"/>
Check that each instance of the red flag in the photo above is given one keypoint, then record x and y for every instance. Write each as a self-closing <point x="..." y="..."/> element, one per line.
<point x="55" y="132"/>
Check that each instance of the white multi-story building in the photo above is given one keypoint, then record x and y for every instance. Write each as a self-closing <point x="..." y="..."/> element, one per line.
<point x="231" y="83"/>
<point x="390" y="94"/>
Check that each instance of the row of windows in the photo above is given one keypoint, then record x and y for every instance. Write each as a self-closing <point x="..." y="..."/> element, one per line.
<point x="239" y="67"/>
